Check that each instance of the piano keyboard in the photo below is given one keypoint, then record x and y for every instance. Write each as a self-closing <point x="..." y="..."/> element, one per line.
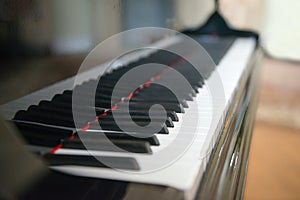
<point x="45" y="120"/>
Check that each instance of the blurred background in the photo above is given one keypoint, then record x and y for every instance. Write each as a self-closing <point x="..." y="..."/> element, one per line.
<point x="43" y="41"/>
<point x="274" y="165"/>
<point x="48" y="40"/>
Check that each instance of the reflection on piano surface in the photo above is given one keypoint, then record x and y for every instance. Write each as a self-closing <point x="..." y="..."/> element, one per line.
<point x="212" y="167"/>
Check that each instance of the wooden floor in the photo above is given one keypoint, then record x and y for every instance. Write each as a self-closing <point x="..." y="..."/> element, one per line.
<point x="274" y="165"/>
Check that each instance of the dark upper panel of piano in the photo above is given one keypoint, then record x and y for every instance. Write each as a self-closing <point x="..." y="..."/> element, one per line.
<point x="51" y="38"/>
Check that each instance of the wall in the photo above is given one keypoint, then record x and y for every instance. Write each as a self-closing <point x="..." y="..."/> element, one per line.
<point x="277" y="21"/>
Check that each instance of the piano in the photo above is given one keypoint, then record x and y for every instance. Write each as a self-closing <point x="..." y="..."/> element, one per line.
<point x="169" y="120"/>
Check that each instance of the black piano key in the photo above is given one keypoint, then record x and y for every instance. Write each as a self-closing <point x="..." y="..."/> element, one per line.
<point x="169" y="107"/>
<point x="106" y="103"/>
<point x="68" y="107"/>
<point x="62" y="112"/>
<point x="165" y="95"/>
<point x="136" y="114"/>
<point x="157" y="99"/>
<point x="90" y="161"/>
<point x="99" y="144"/>
<point x="110" y="125"/>
<point x="125" y="122"/>
<point x="169" y="122"/>
<point x="62" y="98"/>
<point x="151" y="139"/>
<point x="131" y="129"/>
<point x="37" y="134"/>
<point x="59" y="131"/>
<point x="106" y="121"/>
<point x="48" y="118"/>
<point x="144" y="112"/>
<point x="137" y="118"/>
<point x="51" y="110"/>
